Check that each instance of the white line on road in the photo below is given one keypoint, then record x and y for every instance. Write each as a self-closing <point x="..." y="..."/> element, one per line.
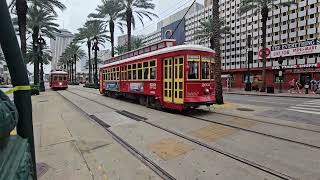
<point x="303" y="111"/>
<point x="308" y="105"/>
<point x="303" y="108"/>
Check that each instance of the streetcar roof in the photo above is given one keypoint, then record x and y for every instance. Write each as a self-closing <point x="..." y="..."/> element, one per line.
<point x="58" y="72"/>
<point x="161" y="51"/>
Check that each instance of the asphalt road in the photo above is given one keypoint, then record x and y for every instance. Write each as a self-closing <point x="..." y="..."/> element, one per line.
<point x="293" y="109"/>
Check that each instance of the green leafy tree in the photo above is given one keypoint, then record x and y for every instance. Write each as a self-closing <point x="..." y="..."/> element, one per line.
<point x="263" y="7"/>
<point x="136" y="9"/>
<point x="91" y="29"/>
<point x="137" y="43"/>
<point x="109" y="13"/>
<point x="206" y="32"/>
<point x="20" y="8"/>
<point x="120" y="49"/>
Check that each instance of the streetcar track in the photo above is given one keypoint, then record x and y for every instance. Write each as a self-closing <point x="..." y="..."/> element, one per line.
<point x="235" y="116"/>
<point x="220" y="151"/>
<point x="224" y="124"/>
<point x="145" y="160"/>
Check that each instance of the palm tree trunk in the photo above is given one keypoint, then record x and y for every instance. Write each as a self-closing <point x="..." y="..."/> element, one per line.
<point x="71" y="71"/>
<point x="215" y="43"/>
<point x="129" y="19"/>
<point x="111" y="26"/>
<point x="75" y="67"/>
<point x="41" y="72"/>
<point x="264" y="14"/>
<point x="35" y="49"/>
<point x="21" y="8"/>
<point x="89" y="55"/>
<point x="96" y="67"/>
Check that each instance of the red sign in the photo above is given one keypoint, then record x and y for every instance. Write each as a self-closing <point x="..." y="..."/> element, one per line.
<point x="268" y="51"/>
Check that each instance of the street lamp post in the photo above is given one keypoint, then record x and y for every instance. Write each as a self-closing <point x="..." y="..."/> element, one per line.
<point x="280" y="61"/>
<point x="41" y="43"/>
<point x="250" y="59"/>
<point x="95" y="47"/>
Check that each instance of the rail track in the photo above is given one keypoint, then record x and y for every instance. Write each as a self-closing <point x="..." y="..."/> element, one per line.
<point x="228" y="125"/>
<point x="240" y="117"/>
<point x="195" y="141"/>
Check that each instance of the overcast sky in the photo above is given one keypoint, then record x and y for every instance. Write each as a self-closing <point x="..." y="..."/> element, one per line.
<point x="77" y="11"/>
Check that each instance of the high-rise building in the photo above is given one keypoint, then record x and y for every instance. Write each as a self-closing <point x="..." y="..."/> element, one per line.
<point x="58" y="45"/>
<point x="208" y="3"/>
<point x="175" y="23"/>
<point x="292" y="33"/>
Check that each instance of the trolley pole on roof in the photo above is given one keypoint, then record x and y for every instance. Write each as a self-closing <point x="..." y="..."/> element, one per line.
<point x="19" y="77"/>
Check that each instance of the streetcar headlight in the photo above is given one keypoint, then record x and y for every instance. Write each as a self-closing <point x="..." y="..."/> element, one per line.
<point x="60" y="83"/>
<point x="206" y="91"/>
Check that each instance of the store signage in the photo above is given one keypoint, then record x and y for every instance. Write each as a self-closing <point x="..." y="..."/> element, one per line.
<point x="306" y="70"/>
<point x="294" y="49"/>
<point x="297" y="66"/>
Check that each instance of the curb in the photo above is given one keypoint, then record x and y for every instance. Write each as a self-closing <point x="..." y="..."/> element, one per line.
<point x="305" y="97"/>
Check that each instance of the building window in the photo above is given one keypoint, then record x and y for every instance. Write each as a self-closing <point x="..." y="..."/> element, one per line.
<point x="291" y="39"/>
<point x="311" y="6"/>
<point x="302" y="28"/>
<point x="311" y="36"/>
<point x="311" y="25"/>
<point x="293" y="11"/>
<point x="284" y="31"/>
<point x="276" y="16"/>
<point x="293" y="20"/>
<point x="276" y="33"/>
<point x="284" y="40"/>
<point x="302" y="9"/>
<point x="312" y="16"/>
<point x="301" y="37"/>
<point x="292" y="29"/>
<point x="276" y="25"/>
<point x="284" y="14"/>
<point x="301" y="18"/>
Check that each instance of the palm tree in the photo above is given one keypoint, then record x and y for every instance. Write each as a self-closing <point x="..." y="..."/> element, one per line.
<point x="70" y="56"/>
<point x="137" y="43"/>
<point x="109" y="12"/>
<point x="20" y="8"/>
<point x="90" y="30"/>
<point x="120" y="49"/>
<point x="206" y="31"/>
<point x="139" y="9"/>
<point x="263" y="7"/>
<point x="40" y="20"/>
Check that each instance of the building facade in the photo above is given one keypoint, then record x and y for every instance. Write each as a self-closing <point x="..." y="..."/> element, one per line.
<point x="58" y="45"/>
<point x="172" y="27"/>
<point x="292" y="33"/>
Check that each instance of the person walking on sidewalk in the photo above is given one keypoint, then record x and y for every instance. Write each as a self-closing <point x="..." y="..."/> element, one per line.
<point x="292" y="85"/>
<point x="297" y="85"/>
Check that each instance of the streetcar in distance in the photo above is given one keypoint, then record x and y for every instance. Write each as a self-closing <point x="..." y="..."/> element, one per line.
<point x="58" y="80"/>
<point x="162" y="75"/>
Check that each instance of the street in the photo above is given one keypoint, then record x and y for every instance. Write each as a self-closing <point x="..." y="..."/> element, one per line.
<point x="130" y="141"/>
<point x="304" y="110"/>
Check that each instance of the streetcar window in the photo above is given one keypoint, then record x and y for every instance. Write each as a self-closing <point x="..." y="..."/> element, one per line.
<point x="154" y="47"/>
<point x="134" y="71"/>
<point x="141" y="51"/>
<point x="140" y="71"/>
<point x="118" y="73"/>
<point x="145" y="70"/>
<point x="193" y="70"/>
<point x="147" y="49"/>
<point x="135" y="53"/>
<point x="55" y="78"/>
<point x="153" y="69"/>
<point x="124" y="73"/>
<point x="205" y="68"/>
<point x="60" y="78"/>
<point x="129" y="72"/>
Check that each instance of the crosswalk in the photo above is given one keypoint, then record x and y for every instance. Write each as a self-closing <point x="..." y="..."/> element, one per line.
<point x="310" y="107"/>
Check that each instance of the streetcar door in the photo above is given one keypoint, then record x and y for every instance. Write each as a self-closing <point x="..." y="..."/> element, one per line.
<point x="173" y="80"/>
<point x="167" y="79"/>
<point x="178" y="80"/>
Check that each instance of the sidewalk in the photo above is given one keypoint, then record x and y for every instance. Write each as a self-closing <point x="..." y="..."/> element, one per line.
<point x="70" y="146"/>
<point x="276" y="93"/>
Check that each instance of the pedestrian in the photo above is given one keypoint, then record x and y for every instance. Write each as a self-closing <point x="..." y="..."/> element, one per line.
<point x="298" y="86"/>
<point x="313" y="85"/>
<point x="292" y="85"/>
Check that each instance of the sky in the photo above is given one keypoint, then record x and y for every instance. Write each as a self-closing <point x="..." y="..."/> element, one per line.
<point x="77" y="11"/>
<point x="75" y="15"/>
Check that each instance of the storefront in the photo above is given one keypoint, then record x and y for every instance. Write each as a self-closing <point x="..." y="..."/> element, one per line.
<point x="302" y="73"/>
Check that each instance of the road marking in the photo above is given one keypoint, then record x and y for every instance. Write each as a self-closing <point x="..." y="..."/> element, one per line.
<point x="304" y="108"/>
<point x="303" y="111"/>
<point x="307" y="105"/>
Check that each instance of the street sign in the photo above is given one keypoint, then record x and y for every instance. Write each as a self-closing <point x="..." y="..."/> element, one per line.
<point x="268" y="51"/>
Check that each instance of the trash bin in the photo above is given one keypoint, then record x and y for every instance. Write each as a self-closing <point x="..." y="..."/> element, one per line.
<point x="270" y="89"/>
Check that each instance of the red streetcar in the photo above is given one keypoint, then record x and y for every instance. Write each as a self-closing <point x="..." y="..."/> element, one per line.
<point x="58" y="80"/>
<point x="162" y="75"/>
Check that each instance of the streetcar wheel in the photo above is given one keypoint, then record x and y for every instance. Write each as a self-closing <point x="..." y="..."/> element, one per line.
<point x="142" y="101"/>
